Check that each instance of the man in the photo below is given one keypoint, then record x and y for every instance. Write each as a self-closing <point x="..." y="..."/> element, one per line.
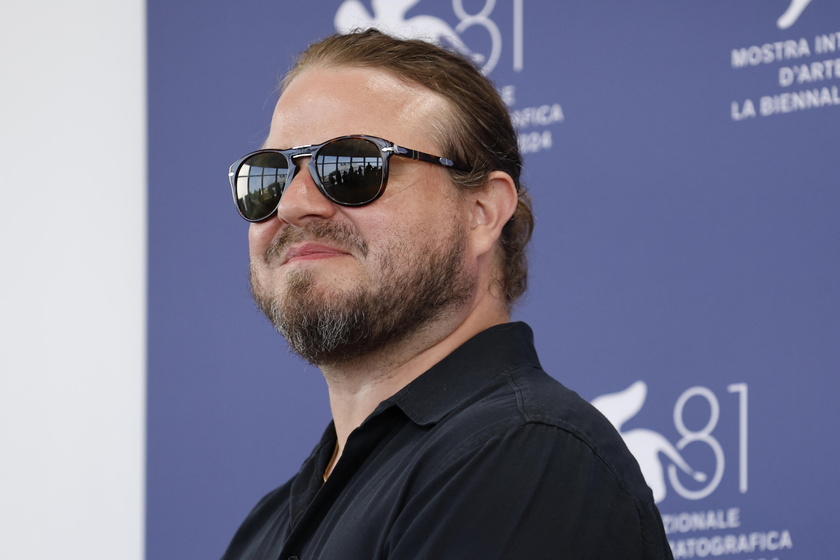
<point x="387" y="245"/>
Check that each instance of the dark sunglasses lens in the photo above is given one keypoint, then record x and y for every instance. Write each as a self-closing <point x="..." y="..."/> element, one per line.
<point x="259" y="183"/>
<point x="350" y="170"/>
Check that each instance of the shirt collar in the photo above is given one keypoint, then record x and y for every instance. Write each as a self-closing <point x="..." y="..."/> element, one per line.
<point x="451" y="381"/>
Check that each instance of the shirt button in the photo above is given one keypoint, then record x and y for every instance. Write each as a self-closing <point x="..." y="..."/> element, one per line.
<point x="293" y="558"/>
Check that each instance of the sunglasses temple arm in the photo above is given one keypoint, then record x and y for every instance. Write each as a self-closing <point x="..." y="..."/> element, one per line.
<point x="428" y="158"/>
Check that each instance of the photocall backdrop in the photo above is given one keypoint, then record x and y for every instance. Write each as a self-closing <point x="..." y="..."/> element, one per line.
<point x="683" y="161"/>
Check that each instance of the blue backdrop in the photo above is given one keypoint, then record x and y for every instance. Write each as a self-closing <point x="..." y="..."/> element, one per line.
<point x="683" y="159"/>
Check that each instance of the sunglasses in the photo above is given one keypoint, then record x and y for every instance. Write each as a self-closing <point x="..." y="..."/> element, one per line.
<point x="349" y="170"/>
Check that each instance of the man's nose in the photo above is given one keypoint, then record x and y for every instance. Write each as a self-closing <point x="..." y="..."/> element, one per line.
<point x="301" y="200"/>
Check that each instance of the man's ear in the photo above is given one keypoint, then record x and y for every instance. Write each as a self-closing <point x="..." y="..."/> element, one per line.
<point x="491" y="208"/>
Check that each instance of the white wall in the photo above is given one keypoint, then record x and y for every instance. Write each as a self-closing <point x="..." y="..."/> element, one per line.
<point x="72" y="287"/>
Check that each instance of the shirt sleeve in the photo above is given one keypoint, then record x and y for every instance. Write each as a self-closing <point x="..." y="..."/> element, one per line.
<point x="535" y="492"/>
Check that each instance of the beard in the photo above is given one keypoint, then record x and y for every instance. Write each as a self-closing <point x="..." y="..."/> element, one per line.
<point x="415" y="284"/>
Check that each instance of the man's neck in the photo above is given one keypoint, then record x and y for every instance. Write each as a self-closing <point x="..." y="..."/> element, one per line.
<point x="357" y="388"/>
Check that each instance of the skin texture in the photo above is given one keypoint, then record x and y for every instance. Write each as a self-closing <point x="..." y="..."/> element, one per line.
<point x="419" y="214"/>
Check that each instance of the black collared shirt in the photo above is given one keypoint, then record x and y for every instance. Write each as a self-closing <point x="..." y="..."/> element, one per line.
<point x="484" y="456"/>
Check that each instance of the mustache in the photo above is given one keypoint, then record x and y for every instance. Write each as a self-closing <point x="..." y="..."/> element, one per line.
<point x="343" y="236"/>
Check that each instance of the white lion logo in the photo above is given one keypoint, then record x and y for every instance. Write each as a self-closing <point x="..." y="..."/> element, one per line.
<point x="792" y="13"/>
<point x="389" y="17"/>
<point x="645" y="445"/>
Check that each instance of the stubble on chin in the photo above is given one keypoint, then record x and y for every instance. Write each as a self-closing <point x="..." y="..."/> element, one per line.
<point x="314" y="321"/>
<point x="412" y="286"/>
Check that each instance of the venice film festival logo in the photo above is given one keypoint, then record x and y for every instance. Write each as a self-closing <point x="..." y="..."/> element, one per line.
<point x="657" y="456"/>
<point x="390" y="16"/>
<point x="794" y="10"/>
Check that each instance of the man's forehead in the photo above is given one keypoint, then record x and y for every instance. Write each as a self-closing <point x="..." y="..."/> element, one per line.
<point x="320" y="103"/>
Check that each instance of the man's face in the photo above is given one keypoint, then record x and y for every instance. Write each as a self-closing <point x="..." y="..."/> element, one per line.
<point x="342" y="282"/>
